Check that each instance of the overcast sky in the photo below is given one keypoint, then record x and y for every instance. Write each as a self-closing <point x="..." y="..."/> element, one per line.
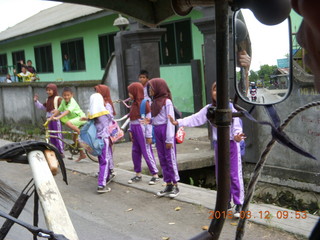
<point x="15" y="11"/>
<point x="268" y="43"/>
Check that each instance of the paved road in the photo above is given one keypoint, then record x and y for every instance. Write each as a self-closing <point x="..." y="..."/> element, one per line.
<point x="125" y="212"/>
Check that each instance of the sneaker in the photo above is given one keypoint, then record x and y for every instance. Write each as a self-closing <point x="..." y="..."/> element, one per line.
<point x="135" y="179"/>
<point x="237" y="211"/>
<point x="112" y="171"/>
<point x="167" y="190"/>
<point x="175" y="191"/>
<point x="154" y="180"/>
<point x="103" y="189"/>
<point x="111" y="177"/>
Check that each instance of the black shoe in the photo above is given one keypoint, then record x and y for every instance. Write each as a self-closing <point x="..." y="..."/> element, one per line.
<point x="168" y="189"/>
<point x="111" y="177"/>
<point x="135" y="179"/>
<point x="154" y="180"/>
<point x="175" y="191"/>
<point x="237" y="211"/>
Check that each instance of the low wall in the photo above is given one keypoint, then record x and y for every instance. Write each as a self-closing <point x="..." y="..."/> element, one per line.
<point x="304" y="130"/>
<point x="17" y="105"/>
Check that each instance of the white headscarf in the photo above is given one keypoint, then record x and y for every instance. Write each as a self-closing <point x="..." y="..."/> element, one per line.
<point x="96" y="107"/>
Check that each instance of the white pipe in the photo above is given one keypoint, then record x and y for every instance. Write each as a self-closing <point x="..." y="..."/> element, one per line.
<point x="54" y="209"/>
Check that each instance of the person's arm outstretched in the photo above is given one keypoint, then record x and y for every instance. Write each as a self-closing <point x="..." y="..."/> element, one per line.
<point x="195" y="120"/>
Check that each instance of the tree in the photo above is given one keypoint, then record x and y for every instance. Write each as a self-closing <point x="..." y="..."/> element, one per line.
<point x="253" y="77"/>
<point x="265" y="72"/>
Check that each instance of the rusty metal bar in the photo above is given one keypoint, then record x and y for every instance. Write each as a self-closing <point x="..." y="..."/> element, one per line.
<point x="223" y="115"/>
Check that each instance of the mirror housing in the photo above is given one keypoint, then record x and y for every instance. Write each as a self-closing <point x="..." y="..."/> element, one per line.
<point x="263" y="59"/>
<point x="269" y="12"/>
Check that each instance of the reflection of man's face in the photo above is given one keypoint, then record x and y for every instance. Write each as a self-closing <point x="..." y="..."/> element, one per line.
<point x="309" y="34"/>
<point x="214" y="93"/>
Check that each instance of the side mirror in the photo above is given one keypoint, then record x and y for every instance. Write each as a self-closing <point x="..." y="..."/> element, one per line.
<point x="268" y="79"/>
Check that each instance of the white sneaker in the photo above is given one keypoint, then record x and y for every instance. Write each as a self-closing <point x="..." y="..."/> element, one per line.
<point x="103" y="189"/>
<point x="237" y="211"/>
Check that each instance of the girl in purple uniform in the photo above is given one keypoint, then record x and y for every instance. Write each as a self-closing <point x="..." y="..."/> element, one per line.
<point x="164" y="131"/>
<point x="141" y="136"/>
<point x="53" y="101"/>
<point x="105" y="92"/>
<point x="236" y="136"/>
<point x="101" y="112"/>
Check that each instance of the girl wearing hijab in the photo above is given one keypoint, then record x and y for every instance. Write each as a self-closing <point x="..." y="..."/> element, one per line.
<point x="101" y="112"/>
<point x="53" y="102"/>
<point x="236" y="136"/>
<point x="164" y="132"/>
<point x="105" y="93"/>
<point x="141" y="135"/>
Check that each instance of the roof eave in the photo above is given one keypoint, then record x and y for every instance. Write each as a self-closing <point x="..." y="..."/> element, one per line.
<point x="100" y="14"/>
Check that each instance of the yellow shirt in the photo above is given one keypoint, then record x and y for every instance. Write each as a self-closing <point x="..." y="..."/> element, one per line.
<point x="26" y="77"/>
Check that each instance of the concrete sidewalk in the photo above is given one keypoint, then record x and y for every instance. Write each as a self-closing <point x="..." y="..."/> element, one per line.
<point x="196" y="152"/>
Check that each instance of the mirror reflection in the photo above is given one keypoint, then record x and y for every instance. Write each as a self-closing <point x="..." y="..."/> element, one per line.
<point x="263" y="59"/>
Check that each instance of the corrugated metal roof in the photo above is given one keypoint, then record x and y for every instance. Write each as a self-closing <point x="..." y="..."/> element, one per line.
<point x="47" y="18"/>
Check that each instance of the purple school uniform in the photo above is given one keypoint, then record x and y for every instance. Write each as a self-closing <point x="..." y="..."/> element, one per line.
<point x="106" y="158"/>
<point x="55" y="126"/>
<point x="237" y="187"/>
<point x="164" y="133"/>
<point x="145" y="93"/>
<point x="140" y="147"/>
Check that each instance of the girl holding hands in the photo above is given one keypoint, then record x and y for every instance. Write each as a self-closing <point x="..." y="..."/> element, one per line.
<point x="236" y="136"/>
<point x="164" y="131"/>
<point x="141" y="135"/>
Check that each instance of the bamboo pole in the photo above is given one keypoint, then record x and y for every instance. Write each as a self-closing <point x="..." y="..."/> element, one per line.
<point x="54" y="209"/>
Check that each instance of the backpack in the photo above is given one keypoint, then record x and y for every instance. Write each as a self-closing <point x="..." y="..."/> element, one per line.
<point x="143" y="108"/>
<point x="55" y="102"/>
<point x="89" y="140"/>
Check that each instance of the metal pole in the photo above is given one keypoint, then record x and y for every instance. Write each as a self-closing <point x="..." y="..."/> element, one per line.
<point x="54" y="209"/>
<point x="223" y="117"/>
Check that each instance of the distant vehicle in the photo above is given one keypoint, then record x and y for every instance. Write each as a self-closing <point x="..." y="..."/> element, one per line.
<point x="253" y="91"/>
<point x="259" y="83"/>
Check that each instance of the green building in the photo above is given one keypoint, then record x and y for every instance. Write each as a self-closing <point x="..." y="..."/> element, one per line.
<point x="86" y="36"/>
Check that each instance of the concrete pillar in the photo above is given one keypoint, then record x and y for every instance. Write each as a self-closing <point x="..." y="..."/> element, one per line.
<point x="207" y="27"/>
<point x="136" y="49"/>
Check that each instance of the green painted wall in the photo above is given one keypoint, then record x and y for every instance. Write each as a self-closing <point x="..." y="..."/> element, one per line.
<point x="88" y="31"/>
<point x="296" y="20"/>
<point x="179" y="77"/>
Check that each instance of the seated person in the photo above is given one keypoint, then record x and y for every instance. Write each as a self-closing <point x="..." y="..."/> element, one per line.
<point x="8" y="79"/>
<point x="70" y="115"/>
<point x="253" y="86"/>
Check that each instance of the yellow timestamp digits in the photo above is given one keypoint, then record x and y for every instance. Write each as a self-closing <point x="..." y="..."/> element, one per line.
<point x="283" y="214"/>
